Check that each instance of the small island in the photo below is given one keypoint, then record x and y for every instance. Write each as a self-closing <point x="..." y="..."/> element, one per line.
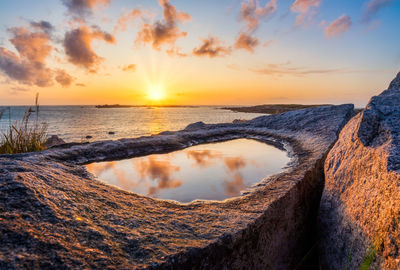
<point x="106" y="106"/>
<point x="272" y="108"/>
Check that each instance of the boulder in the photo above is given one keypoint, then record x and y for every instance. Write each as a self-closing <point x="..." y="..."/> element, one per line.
<point x="53" y="140"/>
<point x="360" y="207"/>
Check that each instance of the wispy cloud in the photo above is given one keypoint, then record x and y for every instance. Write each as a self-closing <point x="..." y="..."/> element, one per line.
<point x="125" y="19"/>
<point x="78" y="46"/>
<point x="373" y="7"/>
<point x="166" y="31"/>
<point x="338" y="26"/>
<point x="306" y="10"/>
<point x="252" y="13"/>
<point x="211" y="47"/>
<point x="131" y="67"/>
<point x="287" y="69"/>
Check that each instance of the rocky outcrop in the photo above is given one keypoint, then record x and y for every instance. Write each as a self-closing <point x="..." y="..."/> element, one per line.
<point x="54" y="214"/>
<point x="360" y="207"/>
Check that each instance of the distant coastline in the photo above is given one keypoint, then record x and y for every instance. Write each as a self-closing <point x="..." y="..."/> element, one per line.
<point x="271" y="108"/>
<point x="107" y="106"/>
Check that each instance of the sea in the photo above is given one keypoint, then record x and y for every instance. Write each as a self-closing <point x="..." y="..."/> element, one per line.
<point x="75" y="123"/>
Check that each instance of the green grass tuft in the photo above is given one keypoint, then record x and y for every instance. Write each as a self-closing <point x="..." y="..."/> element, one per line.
<point x="24" y="136"/>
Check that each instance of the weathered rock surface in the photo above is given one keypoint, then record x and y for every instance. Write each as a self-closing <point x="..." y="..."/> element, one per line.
<point x="54" y="214"/>
<point x="360" y="207"/>
<point x="53" y="141"/>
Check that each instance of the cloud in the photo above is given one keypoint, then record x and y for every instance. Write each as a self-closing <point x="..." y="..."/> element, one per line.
<point x="338" y="26"/>
<point x="43" y="26"/>
<point x="29" y="66"/>
<point x="211" y="48"/>
<point x="373" y="7"/>
<point x="122" y="23"/>
<point x="306" y="10"/>
<point x="161" y="170"/>
<point x="246" y="42"/>
<point x="131" y="67"/>
<point x="164" y="32"/>
<point x="83" y="8"/>
<point x="252" y="13"/>
<point x="81" y="84"/>
<point x="288" y="69"/>
<point x="78" y="46"/>
<point x="63" y="78"/>
<point x="203" y="158"/>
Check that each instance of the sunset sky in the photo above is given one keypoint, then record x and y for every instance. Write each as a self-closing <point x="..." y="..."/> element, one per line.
<point x="209" y="52"/>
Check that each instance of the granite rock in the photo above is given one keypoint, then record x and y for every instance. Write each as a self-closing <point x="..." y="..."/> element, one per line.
<point x="360" y="207"/>
<point x="54" y="214"/>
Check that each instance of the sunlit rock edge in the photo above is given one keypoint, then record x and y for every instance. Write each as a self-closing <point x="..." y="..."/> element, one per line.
<point x="360" y="206"/>
<point x="54" y="214"/>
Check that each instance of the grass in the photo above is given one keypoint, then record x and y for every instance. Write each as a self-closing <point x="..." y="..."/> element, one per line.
<point x="26" y="135"/>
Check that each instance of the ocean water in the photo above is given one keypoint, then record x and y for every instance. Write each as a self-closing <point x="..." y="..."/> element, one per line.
<point x="74" y="123"/>
<point x="208" y="171"/>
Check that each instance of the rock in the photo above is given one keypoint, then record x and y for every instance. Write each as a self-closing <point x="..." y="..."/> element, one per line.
<point x="194" y="126"/>
<point x="54" y="140"/>
<point x="54" y="214"/>
<point x="111" y="133"/>
<point x="360" y="206"/>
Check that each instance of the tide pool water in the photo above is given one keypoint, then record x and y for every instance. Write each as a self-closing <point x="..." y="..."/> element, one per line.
<point x="209" y="171"/>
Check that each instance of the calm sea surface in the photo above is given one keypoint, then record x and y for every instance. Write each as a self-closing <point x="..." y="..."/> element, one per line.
<point x="208" y="171"/>
<point x="74" y="123"/>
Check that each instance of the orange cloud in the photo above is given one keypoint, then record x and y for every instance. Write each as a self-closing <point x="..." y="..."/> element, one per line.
<point x="338" y="26"/>
<point x="63" y="78"/>
<point x="131" y="67"/>
<point x="306" y="10"/>
<point x="246" y="42"/>
<point x="29" y="67"/>
<point x="78" y="46"/>
<point x="166" y="32"/>
<point x="211" y="47"/>
<point x="252" y="13"/>
<point x="122" y="23"/>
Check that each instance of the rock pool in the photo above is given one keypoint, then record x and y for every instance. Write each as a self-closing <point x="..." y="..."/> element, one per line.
<point x="213" y="171"/>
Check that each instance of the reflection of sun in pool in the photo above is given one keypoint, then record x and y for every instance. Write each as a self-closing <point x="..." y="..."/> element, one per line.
<point x="156" y="93"/>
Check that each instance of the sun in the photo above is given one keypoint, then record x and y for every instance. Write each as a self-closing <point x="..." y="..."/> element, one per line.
<point x="156" y="93"/>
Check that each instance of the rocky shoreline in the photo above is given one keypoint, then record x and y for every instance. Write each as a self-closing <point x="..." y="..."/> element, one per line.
<point x="54" y="214"/>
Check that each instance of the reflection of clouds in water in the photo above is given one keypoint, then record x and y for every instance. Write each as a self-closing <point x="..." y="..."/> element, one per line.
<point x="203" y="158"/>
<point x="234" y="163"/>
<point x="119" y="174"/>
<point x="233" y="188"/>
<point x="161" y="170"/>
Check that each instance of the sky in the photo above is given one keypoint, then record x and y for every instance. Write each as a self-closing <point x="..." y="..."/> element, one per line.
<point x="179" y="52"/>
